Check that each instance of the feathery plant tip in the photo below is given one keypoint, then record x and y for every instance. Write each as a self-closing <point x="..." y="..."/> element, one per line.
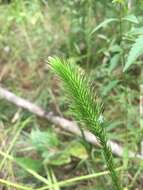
<point x="83" y="100"/>
<point x="85" y="107"/>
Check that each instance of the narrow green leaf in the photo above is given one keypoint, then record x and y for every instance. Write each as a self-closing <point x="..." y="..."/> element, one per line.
<point x="108" y="87"/>
<point x="103" y="24"/>
<point x="135" y="31"/>
<point x="114" y="62"/>
<point x="135" y="52"/>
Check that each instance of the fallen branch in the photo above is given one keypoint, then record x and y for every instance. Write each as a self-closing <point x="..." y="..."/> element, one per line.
<point x="65" y="124"/>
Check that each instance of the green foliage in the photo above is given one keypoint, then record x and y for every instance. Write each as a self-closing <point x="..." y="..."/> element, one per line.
<point x="35" y="165"/>
<point x="43" y="141"/>
<point x="77" y="150"/>
<point x="56" y="159"/>
<point x="109" y="87"/>
<point x="131" y="18"/>
<point x="52" y="153"/>
<point x="118" y="1"/>
<point x="135" y="52"/>
<point x="100" y="38"/>
<point x="85" y="107"/>
<point x="103" y="24"/>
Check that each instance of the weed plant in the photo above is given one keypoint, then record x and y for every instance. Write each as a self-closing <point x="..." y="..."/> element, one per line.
<point x="85" y="108"/>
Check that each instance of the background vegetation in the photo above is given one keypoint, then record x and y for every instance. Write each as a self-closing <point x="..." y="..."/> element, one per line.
<point x="104" y="39"/>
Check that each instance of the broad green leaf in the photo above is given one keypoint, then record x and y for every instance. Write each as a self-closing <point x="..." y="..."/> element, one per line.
<point x="115" y="48"/>
<point x="43" y="140"/>
<point x="103" y="24"/>
<point x="57" y="159"/>
<point x="29" y="163"/>
<point x="77" y="150"/>
<point x="135" y="31"/>
<point x="114" y="62"/>
<point x="131" y="18"/>
<point x="135" y="52"/>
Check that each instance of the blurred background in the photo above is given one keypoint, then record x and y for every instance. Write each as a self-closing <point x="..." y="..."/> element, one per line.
<point x="104" y="39"/>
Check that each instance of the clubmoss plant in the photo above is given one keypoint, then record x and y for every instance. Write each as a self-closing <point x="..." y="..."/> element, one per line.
<point x="85" y="108"/>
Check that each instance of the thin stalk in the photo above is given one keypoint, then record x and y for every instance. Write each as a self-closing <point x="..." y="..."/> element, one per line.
<point x="54" y="179"/>
<point x="126" y="97"/>
<point x="110" y="162"/>
<point x="14" y="185"/>
<point x="79" y="179"/>
<point x="19" y="127"/>
<point x="136" y="176"/>
<point x="141" y="106"/>
<point x="121" y="34"/>
<point x="87" y="36"/>
<point x="53" y="183"/>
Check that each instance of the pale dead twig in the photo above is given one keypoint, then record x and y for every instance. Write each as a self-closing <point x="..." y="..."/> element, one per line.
<point x="65" y="124"/>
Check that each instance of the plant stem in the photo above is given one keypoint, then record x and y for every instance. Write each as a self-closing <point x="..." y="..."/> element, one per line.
<point x="14" y="185"/>
<point x="78" y="179"/>
<point x="109" y="161"/>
